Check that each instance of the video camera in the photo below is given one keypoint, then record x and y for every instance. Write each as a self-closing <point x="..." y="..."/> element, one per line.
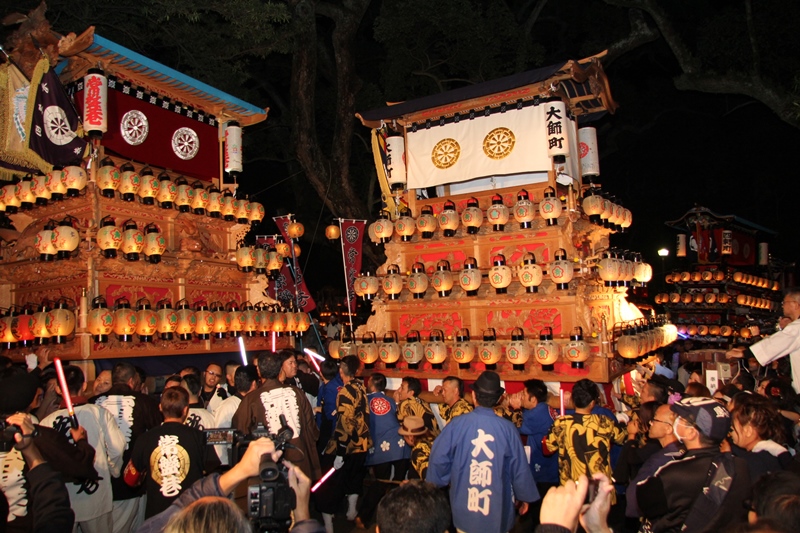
<point x="271" y="501"/>
<point x="7" y="432"/>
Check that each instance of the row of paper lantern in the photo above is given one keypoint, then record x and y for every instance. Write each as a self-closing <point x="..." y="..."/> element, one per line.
<point x="712" y="298"/>
<point x="24" y="327"/>
<point x="716" y="330"/>
<point x="71" y="180"/>
<point x="463" y="350"/>
<point x="600" y="209"/>
<point x="619" y="268"/>
<point x="203" y="320"/>
<point x="269" y="260"/>
<point x="639" y="339"/>
<point x="719" y="276"/>
<point x="528" y="273"/>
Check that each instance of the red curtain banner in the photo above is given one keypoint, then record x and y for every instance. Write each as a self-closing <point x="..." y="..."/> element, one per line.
<point x="352" y="238"/>
<point x="307" y="303"/>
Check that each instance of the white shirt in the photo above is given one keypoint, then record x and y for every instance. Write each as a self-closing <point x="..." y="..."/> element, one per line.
<point x="102" y="432"/>
<point x="786" y="341"/>
<point x="222" y="419"/>
<point x="199" y="418"/>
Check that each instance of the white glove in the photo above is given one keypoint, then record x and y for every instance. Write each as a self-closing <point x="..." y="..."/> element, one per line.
<point x="32" y="361"/>
<point x="623" y="418"/>
<point x="338" y="462"/>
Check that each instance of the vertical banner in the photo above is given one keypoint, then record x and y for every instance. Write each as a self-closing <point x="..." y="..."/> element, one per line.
<point x="297" y="284"/>
<point x="352" y="237"/>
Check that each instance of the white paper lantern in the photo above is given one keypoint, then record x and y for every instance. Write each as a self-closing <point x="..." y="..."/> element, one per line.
<point x="233" y="147"/>
<point x="396" y="162"/>
<point x="95" y="102"/>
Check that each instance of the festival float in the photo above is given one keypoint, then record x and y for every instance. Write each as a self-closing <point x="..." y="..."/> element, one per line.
<point x="126" y="238"/>
<point x="496" y="232"/>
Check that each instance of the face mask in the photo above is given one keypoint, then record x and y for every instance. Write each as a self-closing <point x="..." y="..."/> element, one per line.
<point x="675" y="430"/>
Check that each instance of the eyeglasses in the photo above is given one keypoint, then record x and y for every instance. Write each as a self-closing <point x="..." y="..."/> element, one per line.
<point x="662" y="421"/>
<point x="212" y="373"/>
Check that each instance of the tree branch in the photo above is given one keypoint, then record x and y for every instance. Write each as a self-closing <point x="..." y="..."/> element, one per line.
<point x="641" y="34"/>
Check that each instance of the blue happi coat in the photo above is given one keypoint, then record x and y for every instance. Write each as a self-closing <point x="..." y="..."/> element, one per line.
<point x="480" y="456"/>
<point x="388" y="445"/>
<point x="536" y="424"/>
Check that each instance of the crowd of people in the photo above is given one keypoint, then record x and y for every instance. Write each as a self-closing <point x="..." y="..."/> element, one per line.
<point x="461" y="457"/>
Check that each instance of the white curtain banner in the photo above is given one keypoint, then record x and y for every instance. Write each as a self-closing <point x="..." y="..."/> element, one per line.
<point x="502" y="143"/>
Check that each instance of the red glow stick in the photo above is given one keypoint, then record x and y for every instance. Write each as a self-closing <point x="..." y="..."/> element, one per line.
<point x="62" y="382"/>
<point x="323" y="479"/>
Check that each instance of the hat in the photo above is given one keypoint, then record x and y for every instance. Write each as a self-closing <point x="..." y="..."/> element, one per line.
<point x="488" y="383"/>
<point x="413" y="425"/>
<point x="17" y="392"/>
<point x="672" y="385"/>
<point x="708" y="416"/>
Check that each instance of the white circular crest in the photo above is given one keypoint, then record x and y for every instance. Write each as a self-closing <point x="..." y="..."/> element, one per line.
<point x="185" y="143"/>
<point x="56" y="126"/>
<point x="134" y="127"/>
<point x="351" y="234"/>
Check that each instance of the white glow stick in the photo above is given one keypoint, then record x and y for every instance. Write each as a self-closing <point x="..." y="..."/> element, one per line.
<point x="242" y="351"/>
<point x="274" y="341"/>
<point x="314" y="354"/>
<point x="324" y="478"/>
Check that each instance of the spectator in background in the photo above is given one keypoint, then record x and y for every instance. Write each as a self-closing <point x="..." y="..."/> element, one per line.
<point x="199" y="417"/>
<point x="212" y="393"/>
<point x="326" y="401"/>
<point x="776" y="497"/>
<point x="410" y="404"/>
<point x="175" y="380"/>
<point x="101" y="383"/>
<point x="333" y="330"/>
<point x="758" y="436"/>
<point x="452" y="392"/>
<point x="230" y="375"/>
<point x="191" y="370"/>
<point x="143" y="388"/>
<point x="583" y="440"/>
<point x="414" y="507"/>
<point x="696" y="390"/>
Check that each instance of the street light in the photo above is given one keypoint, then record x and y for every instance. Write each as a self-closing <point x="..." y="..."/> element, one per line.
<point x="663" y="253"/>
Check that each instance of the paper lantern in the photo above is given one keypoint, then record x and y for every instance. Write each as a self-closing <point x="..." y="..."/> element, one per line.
<point x="200" y="199"/>
<point x="593" y="204"/>
<point x="464" y="349"/>
<point x="628" y="344"/>
<point x="392" y="282"/>
<point x="396" y="162"/>
<point x="95" y="103"/>
<point x="25" y="193"/>
<point x="41" y="327"/>
<point x="185" y="195"/>
<point x="252" y="316"/>
<point x="426" y="223"/>
<point x="129" y="182"/>
<point x="167" y="191"/>
<point x="255" y="212"/>
<point x="233" y="147"/>
<point x="167" y="320"/>
<point x="472" y="216"/>
<point x="75" y="180"/>
<point x="417" y="281"/>
<point x="347" y="346"/>
<point x="518" y="351"/>
<point x="274" y="262"/>
<point x="132" y="240"/>
<point x="222" y="321"/>
<point x="589" y="155"/>
<point x="530" y="274"/>
<point x="449" y="219"/>
<point x="546" y="350"/>
<point x="22" y="326"/>
<point x="43" y="242"/>
<point x="405" y="226"/>
<point x="7" y="339"/>
<point x="490" y="351"/>
<point x="260" y="260"/>
<point x="236" y="319"/>
<point x="523" y="210"/>
<point x="154" y="243"/>
<point x="226" y="206"/>
<point x="295" y="230"/>
<point x="561" y="271"/>
<point x="62" y="321"/>
<point x="245" y="258"/>
<point x="642" y="271"/>
<point x="41" y="191"/>
<point x="497" y="214"/>
<point x="557" y="124"/>
<point x="367" y="350"/>
<point x="100" y="320"/>
<point x="550" y="207"/>
<point x="214" y="205"/>
<point x="577" y="351"/>
<point x="366" y="286"/>
<point x="241" y="210"/>
<point x="470" y="277"/>
<point x="11" y="197"/>
<point x="148" y="186"/>
<point x="333" y="232"/>
<point x="436" y="349"/>
<point x="66" y="238"/>
<point x="187" y="321"/>
<point x="389" y="349"/>
<point x="442" y="279"/>
<point x="146" y="320"/>
<point x="413" y="351"/>
<point x="109" y="237"/>
<point x="383" y="227"/>
<point x="56" y="188"/>
<point x="108" y="178"/>
<point x="3" y="200"/>
<point x="609" y="269"/>
<point x="500" y="274"/>
<point x="282" y="248"/>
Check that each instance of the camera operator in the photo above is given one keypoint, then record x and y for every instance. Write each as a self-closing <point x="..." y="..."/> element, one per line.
<point x="183" y="513"/>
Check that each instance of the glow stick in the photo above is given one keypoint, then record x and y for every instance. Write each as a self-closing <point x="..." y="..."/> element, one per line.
<point x="242" y="351"/>
<point x="314" y="354"/>
<point x="274" y="342"/>
<point x="62" y="382"/>
<point x="561" y="394"/>
<point x="323" y="480"/>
